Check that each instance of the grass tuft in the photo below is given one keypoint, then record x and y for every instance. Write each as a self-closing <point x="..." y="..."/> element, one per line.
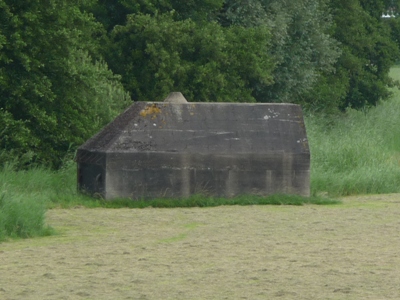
<point x="22" y="217"/>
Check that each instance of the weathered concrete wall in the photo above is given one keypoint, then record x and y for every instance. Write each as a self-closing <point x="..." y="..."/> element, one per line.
<point x="178" y="149"/>
<point x="179" y="175"/>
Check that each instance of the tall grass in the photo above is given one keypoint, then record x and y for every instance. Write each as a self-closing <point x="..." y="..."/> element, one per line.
<point x="22" y="216"/>
<point x="358" y="152"/>
<point x="54" y="188"/>
<point x="26" y="195"/>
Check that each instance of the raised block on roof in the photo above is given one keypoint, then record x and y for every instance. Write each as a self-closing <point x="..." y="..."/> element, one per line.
<point x="176" y="149"/>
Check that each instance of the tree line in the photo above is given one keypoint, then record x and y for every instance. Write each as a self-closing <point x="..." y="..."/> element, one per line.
<point x="68" y="67"/>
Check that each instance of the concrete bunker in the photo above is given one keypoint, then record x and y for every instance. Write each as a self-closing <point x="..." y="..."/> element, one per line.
<point x="177" y="148"/>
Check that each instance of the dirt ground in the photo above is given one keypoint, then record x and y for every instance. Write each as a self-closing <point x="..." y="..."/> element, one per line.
<point x="348" y="251"/>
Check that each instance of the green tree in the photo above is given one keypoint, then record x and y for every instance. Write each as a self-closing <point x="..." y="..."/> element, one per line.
<point x="300" y="47"/>
<point x="53" y="94"/>
<point x="327" y="54"/>
<point x="368" y="51"/>
<point x="375" y="8"/>
<point x="111" y="13"/>
<point x="157" y="54"/>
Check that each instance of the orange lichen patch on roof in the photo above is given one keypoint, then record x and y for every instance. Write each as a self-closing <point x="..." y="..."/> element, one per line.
<point x="150" y="110"/>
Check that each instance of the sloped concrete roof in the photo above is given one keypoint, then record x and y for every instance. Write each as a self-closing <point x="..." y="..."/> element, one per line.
<point x="204" y="128"/>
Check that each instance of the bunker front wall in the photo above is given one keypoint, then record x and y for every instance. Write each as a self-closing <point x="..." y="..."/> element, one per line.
<point x="153" y="175"/>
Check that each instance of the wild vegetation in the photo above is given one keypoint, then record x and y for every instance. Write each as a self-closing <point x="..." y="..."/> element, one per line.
<point x="357" y="152"/>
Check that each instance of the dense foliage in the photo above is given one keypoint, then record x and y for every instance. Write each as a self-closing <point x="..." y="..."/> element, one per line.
<point x="206" y="62"/>
<point x="56" y="88"/>
<point x="54" y="93"/>
<point x="327" y="54"/>
<point x="300" y="47"/>
<point x="368" y="51"/>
